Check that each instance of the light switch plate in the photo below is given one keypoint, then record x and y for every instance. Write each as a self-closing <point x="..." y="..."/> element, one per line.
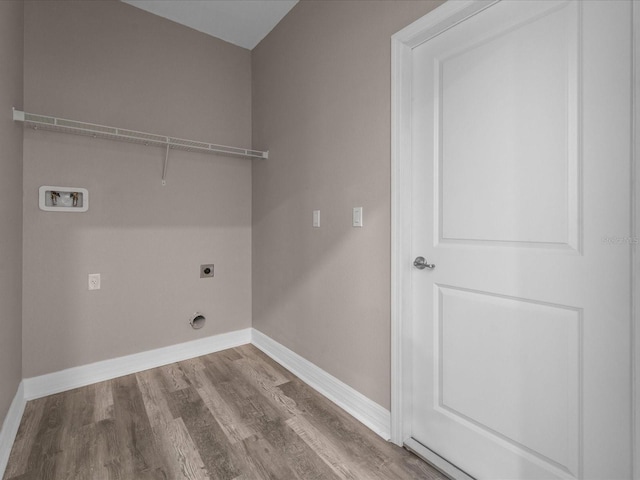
<point x="316" y="218"/>
<point x="357" y="216"/>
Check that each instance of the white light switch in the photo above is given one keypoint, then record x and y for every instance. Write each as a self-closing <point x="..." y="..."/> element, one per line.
<point x="316" y="218"/>
<point x="357" y="216"/>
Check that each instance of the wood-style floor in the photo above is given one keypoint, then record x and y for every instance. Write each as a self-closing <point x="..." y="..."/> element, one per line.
<point x="234" y="414"/>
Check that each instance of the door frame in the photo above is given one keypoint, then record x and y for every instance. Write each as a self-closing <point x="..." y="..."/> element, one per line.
<point x="402" y="42"/>
<point x="635" y="246"/>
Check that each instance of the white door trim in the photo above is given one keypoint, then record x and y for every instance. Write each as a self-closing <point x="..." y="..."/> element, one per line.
<point x="437" y="21"/>
<point x="635" y="252"/>
<point x="402" y="42"/>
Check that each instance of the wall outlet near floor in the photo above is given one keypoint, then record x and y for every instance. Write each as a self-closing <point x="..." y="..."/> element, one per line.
<point x="94" y="281"/>
<point x="206" y="271"/>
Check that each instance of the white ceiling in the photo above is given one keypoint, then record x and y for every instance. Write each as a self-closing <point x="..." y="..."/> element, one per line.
<point x="241" y="22"/>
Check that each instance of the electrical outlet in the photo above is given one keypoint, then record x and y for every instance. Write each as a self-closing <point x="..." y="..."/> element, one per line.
<point x="206" y="271"/>
<point x="94" y="281"/>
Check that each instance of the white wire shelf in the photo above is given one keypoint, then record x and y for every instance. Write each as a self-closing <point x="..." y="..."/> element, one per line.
<point x="54" y="124"/>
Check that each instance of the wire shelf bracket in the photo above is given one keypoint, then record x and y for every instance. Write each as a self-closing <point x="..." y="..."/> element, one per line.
<point x="54" y="124"/>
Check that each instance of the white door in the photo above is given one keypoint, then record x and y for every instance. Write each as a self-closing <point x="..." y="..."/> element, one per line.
<point x="519" y="338"/>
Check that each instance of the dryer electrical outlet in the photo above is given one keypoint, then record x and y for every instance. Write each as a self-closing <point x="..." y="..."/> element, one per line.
<point x="206" y="271"/>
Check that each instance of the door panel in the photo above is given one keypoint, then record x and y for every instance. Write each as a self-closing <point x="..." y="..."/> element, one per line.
<point x="521" y="86"/>
<point x="520" y="140"/>
<point x="511" y="367"/>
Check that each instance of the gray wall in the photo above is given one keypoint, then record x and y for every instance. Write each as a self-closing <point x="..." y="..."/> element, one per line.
<point x="321" y="105"/>
<point x="11" y="15"/>
<point x="110" y="63"/>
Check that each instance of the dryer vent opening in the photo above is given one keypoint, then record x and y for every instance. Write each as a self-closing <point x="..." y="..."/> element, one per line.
<point x="197" y="320"/>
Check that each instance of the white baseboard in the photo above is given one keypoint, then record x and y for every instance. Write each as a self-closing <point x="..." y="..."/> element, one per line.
<point x="75" y="377"/>
<point x="10" y="427"/>
<point x="368" y="412"/>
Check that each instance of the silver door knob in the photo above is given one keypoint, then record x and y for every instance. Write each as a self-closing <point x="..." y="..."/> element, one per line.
<point x="420" y="264"/>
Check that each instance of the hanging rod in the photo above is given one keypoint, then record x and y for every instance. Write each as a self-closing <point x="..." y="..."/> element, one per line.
<point x="54" y="124"/>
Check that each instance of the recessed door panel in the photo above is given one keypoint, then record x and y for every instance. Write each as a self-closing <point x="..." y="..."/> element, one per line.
<point x="507" y="128"/>
<point x="511" y="367"/>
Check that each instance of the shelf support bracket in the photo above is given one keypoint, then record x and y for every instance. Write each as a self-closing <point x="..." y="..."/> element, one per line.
<point x="164" y="166"/>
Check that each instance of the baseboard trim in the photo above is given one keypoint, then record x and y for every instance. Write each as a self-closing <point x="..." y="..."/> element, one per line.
<point x="10" y="427"/>
<point x="41" y="386"/>
<point x="368" y="412"/>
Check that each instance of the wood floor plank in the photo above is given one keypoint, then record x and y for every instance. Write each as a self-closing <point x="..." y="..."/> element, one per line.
<point x="48" y="444"/>
<point x="284" y="443"/>
<point x="218" y="369"/>
<point x="100" y="454"/>
<point x="269" y="370"/>
<point x="232" y="415"/>
<point x="132" y="424"/>
<point x="231" y="423"/>
<point x="83" y="409"/>
<point x="352" y="437"/>
<point x="266" y="386"/>
<point x="303" y="460"/>
<point x="235" y="393"/>
<point x="191" y="368"/>
<point x="228" y="356"/>
<point x="191" y="465"/>
<point x="173" y="377"/>
<point x="268" y="464"/>
<point x="168" y="434"/>
<point x="78" y="413"/>
<point x="265" y="410"/>
<point x="112" y="451"/>
<point x="26" y="436"/>
<point x="26" y="476"/>
<point x="103" y="407"/>
<point x="206" y="434"/>
<point x="342" y="466"/>
<point x="83" y="464"/>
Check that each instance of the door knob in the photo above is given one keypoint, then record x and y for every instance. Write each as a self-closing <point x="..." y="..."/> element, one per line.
<point x="420" y="264"/>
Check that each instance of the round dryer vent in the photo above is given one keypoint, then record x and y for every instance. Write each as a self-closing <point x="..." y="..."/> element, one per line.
<point x="197" y="320"/>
